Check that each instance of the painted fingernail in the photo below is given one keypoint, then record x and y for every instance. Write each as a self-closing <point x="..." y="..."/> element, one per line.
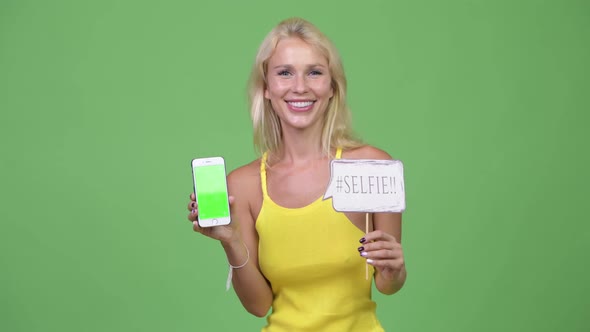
<point x="370" y="261"/>
<point x="364" y="254"/>
<point x="361" y="248"/>
<point x="193" y="205"/>
<point x="193" y="211"/>
<point x="362" y="240"/>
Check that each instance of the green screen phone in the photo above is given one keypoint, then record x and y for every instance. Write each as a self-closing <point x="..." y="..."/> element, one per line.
<point x="210" y="185"/>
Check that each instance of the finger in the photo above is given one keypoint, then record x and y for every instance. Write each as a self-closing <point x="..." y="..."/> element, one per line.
<point x="193" y="215"/>
<point x="376" y="246"/>
<point x="192" y="196"/>
<point x="382" y="244"/>
<point x="382" y="254"/>
<point x="192" y="205"/>
<point x="196" y="226"/>
<point x="377" y="235"/>
<point x="395" y="264"/>
<point x="203" y="230"/>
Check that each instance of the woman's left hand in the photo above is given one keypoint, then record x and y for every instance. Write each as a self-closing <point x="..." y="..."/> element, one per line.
<point x="384" y="252"/>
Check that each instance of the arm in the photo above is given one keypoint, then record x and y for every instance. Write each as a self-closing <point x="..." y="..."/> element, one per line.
<point x="383" y="245"/>
<point x="250" y="285"/>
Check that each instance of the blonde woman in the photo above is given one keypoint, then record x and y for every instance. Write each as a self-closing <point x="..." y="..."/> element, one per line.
<point x="290" y="250"/>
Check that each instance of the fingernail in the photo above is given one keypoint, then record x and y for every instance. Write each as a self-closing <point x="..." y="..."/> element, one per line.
<point x="370" y="261"/>
<point x="193" y="205"/>
<point x="362" y="240"/>
<point x="193" y="211"/>
<point x="364" y="254"/>
<point x="361" y="248"/>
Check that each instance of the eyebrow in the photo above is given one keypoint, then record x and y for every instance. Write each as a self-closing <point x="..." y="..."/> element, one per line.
<point x="313" y="65"/>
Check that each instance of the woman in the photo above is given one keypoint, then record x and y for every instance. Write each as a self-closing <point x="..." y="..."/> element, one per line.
<point x="289" y="250"/>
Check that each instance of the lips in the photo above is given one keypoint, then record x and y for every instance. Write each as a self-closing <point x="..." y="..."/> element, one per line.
<point x="300" y="105"/>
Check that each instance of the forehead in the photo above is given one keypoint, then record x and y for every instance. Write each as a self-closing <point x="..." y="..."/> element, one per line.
<point x="292" y="51"/>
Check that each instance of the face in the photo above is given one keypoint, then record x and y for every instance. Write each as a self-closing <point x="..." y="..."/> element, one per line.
<point x="299" y="84"/>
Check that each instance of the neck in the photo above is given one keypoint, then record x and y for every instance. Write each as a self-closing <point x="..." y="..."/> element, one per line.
<point x="301" y="146"/>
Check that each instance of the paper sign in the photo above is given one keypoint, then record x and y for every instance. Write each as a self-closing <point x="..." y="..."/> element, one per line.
<point x="367" y="185"/>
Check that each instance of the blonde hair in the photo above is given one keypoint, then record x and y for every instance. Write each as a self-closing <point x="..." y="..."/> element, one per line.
<point x="336" y="131"/>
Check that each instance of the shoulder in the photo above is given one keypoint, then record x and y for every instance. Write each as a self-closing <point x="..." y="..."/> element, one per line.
<point x="245" y="186"/>
<point x="366" y="152"/>
<point x="244" y="175"/>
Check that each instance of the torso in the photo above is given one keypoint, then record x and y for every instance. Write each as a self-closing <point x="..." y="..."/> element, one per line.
<point x="296" y="186"/>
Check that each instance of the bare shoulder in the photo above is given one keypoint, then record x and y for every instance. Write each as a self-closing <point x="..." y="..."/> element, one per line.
<point x="244" y="185"/>
<point x="244" y="177"/>
<point x="366" y="152"/>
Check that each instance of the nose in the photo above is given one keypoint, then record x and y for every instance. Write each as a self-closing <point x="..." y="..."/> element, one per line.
<point x="300" y="84"/>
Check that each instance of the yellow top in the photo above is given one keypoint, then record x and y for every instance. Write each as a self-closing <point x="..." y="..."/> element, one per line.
<point x="317" y="276"/>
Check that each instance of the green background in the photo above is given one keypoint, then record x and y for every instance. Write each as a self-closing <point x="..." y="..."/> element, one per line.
<point x="104" y="103"/>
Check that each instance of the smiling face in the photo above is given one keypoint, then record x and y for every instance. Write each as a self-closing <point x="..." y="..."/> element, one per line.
<point x="299" y="84"/>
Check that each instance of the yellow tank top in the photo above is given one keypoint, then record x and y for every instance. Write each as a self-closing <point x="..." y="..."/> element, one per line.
<point x="317" y="276"/>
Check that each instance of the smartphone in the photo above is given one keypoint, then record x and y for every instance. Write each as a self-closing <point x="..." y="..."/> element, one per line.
<point x="210" y="186"/>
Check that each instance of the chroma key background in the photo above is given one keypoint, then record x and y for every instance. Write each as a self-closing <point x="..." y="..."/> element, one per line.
<point x="104" y="103"/>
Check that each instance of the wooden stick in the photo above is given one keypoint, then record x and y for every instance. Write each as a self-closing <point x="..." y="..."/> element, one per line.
<point x="366" y="231"/>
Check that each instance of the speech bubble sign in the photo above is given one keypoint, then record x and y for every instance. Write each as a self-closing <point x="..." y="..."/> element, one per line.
<point x="367" y="185"/>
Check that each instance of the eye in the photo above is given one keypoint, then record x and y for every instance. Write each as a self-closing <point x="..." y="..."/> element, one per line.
<point x="315" y="73"/>
<point x="284" y="73"/>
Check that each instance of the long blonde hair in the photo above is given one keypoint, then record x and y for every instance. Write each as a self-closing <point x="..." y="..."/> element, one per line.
<point x="336" y="131"/>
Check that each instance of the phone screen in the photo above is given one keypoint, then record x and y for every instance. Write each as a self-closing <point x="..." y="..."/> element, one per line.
<point x="211" y="191"/>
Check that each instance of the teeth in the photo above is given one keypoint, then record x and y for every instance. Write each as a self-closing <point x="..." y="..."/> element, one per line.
<point x="301" y="104"/>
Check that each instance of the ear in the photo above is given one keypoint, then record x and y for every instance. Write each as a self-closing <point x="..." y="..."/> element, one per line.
<point x="266" y="93"/>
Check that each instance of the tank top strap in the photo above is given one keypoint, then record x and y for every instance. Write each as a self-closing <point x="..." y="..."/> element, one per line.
<point x="338" y="153"/>
<point x="263" y="174"/>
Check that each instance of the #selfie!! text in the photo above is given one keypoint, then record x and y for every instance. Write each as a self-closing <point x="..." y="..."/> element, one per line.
<point x="371" y="184"/>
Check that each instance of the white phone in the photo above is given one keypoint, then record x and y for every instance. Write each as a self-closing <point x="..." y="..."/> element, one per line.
<point x="210" y="185"/>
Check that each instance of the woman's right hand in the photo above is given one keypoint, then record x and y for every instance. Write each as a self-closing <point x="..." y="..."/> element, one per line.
<point x="223" y="233"/>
